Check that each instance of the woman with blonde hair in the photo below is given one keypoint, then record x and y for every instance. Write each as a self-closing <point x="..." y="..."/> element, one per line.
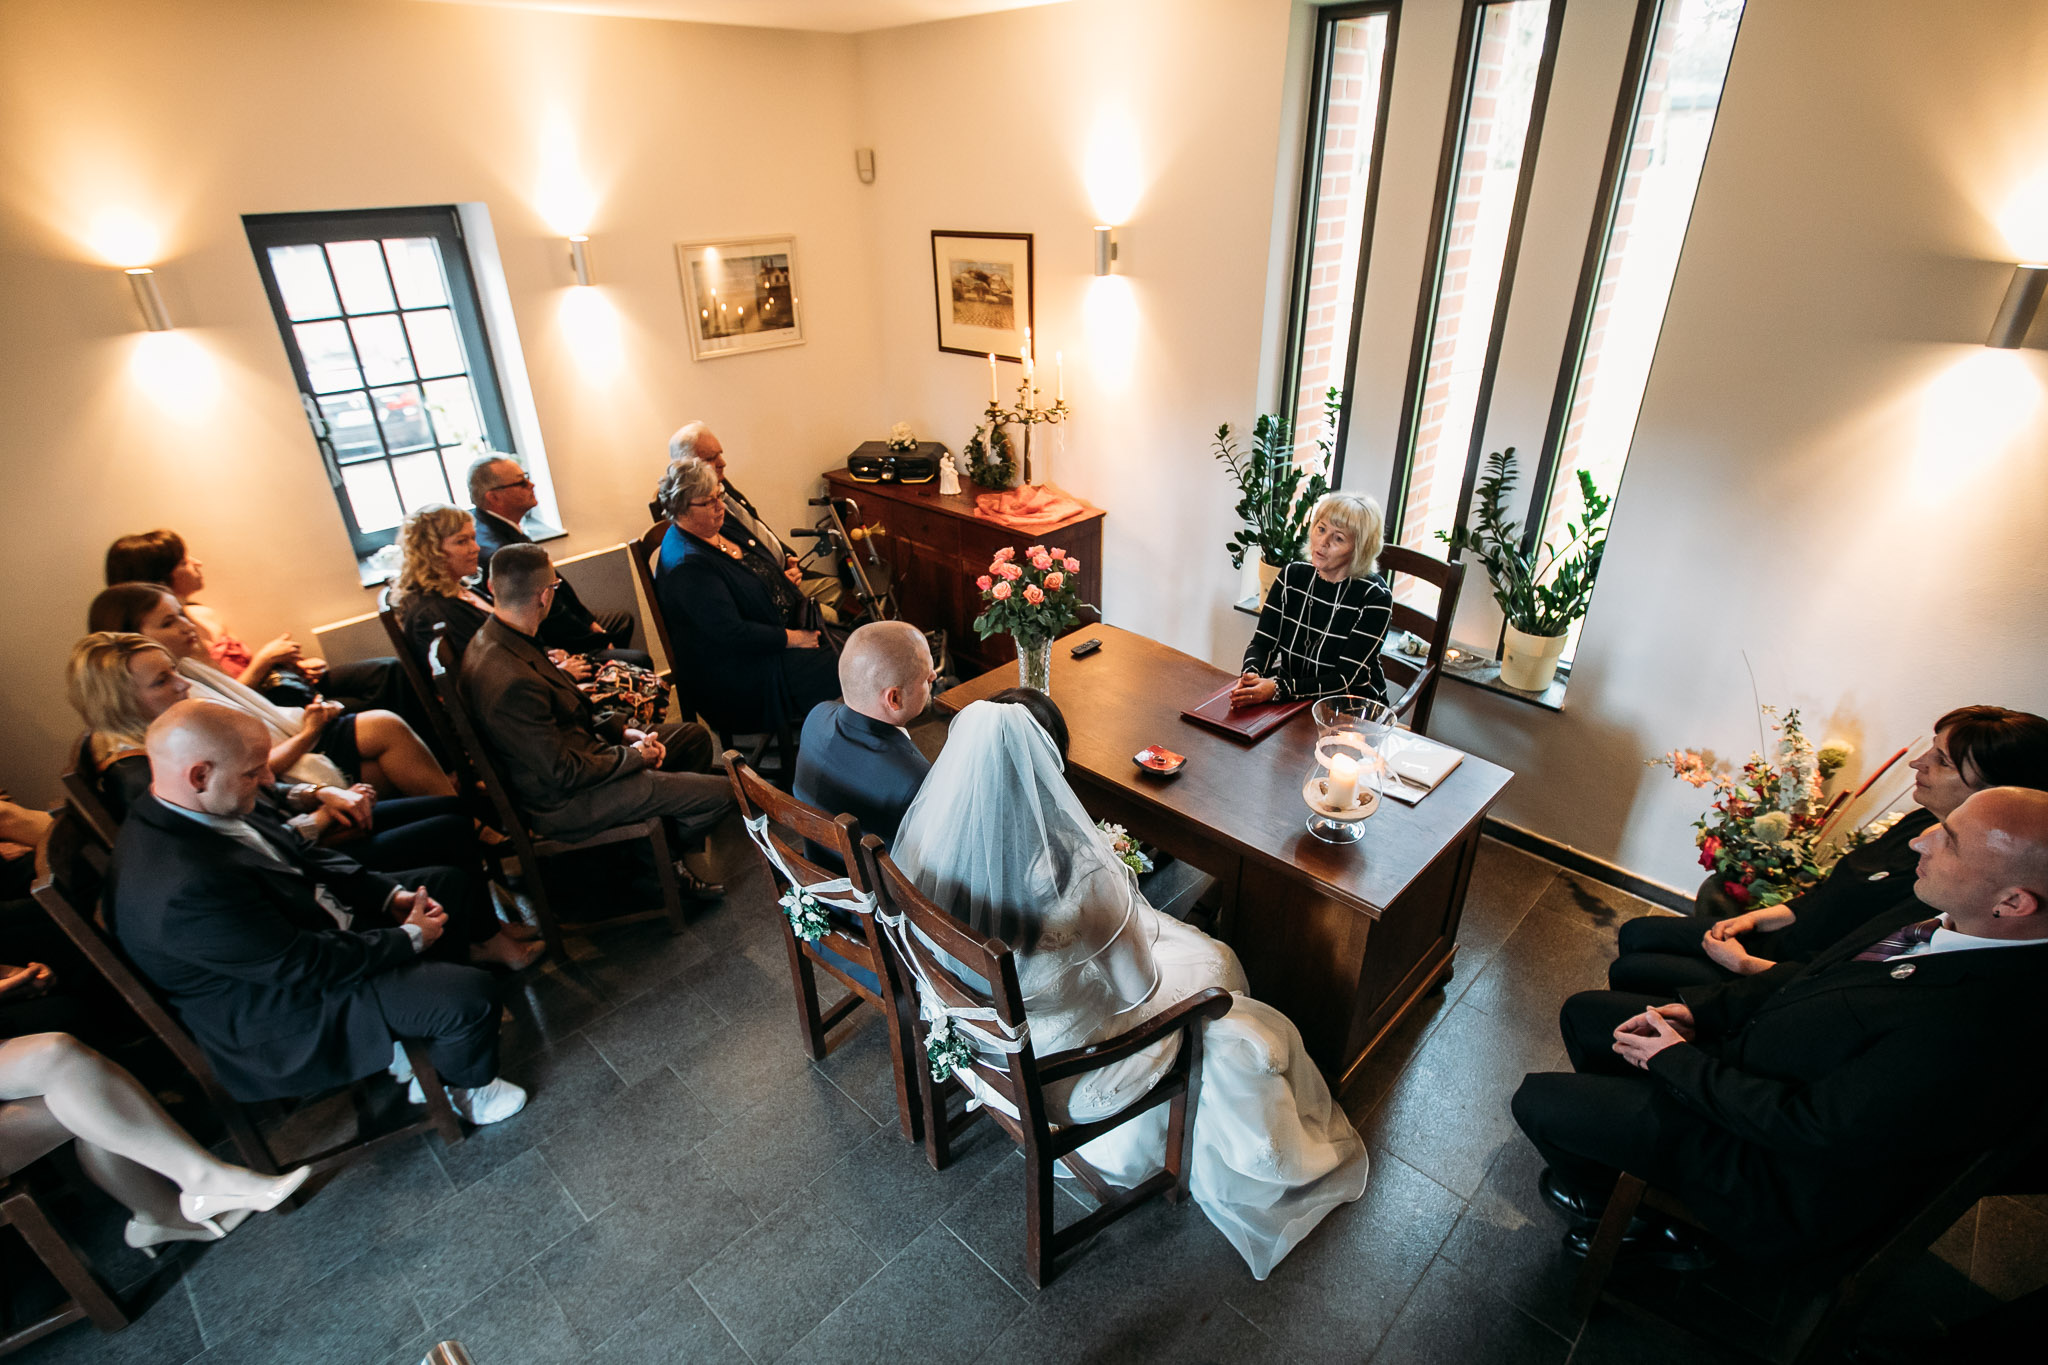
<point x="313" y="743"/>
<point x="1325" y="617"/>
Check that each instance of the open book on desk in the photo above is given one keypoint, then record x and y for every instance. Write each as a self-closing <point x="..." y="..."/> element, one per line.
<point x="1415" y="766"/>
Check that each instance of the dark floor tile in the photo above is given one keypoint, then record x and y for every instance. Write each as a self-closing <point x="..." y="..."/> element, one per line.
<point x="1512" y="1240"/>
<point x="627" y="1141"/>
<point x="364" y="1311"/>
<point x="466" y="1244"/>
<point x="644" y="1033"/>
<point x="887" y="1192"/>
<point x="2012" y="1249"/>
<point x="772" y="1285"/>
<point x="1337" y="1293"/>
<point x="678" y="1328"/>
<point x="936" y="1301"/>
<point x="1546" y="960"/>
<point x="236" y="1281"/>
<point x="1595" y="906"/>
<point x="1506" y="882"/>
<point x="629" y="959"/>
<point x="1614" y="1337"/>
<point x="161" y="1331"/>
<point x="989" y="1217"/>
<point x="1447" y="1115"/>
<point x="1451" y="1317"/>
<point x="515" y="1322"/>
<point x="861" y="1067"/>
<point x="634" y="1253"/>
<point x="756" y="1055"/>
<point x="787" y="1140"/>
<point x="561" y="1084"/>
<point x="1383" y="1066"/>
<point x="745" y="978"/>
<point x="549" y="1007"/>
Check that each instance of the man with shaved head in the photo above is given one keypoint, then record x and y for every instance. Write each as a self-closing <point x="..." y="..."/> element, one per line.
<point x="295" y="968"/>
<point x="855" y="757"/>
<point x="1796" y="1109"/>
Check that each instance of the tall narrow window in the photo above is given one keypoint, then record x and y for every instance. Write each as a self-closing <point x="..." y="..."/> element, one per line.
<point x="1482" y="196"/>
<point x="1340" y="179"/>
<point x="1654" y="162"/>
<point x="380" y="319"/>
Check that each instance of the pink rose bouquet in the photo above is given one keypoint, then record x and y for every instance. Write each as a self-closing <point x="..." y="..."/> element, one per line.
<point x="1031" y="596"/>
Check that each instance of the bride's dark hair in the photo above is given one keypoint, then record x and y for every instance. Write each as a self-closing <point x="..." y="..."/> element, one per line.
<point x="1043" y="710"/>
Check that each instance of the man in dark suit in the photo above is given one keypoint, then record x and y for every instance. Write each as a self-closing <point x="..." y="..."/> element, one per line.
<point x="502" y="494"/>
<point x="571" y="780"/>
<point x="855" y="757"/>
<point x="1793" y="1110"/>
<point x="744" y="526"/>
<point x="295" y="968"/>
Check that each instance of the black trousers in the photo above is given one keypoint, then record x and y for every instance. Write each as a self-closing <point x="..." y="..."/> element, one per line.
<point x="439" y="999"/>
<point x="1600" y="1120"/>
<point x="1663" y="955"/>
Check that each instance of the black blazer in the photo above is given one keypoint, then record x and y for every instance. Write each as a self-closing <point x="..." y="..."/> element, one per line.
<point x="257" y="970"/>
<point x="728" y="634"/>
<point x="569" y="624"/>
<point x="421" y="613"/>
<point x="1821" y="1097"/>
<point x="1863" y="883"/>
<point x="539" y="725"/>
<point x="856" y="765"/>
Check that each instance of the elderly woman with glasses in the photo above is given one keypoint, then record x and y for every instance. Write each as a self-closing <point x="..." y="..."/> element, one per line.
<point x="744" y="661"/>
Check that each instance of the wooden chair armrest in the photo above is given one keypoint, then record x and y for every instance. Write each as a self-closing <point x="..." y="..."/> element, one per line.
<point x="1210" y="1003"/>
<point x="1414" y="692"/>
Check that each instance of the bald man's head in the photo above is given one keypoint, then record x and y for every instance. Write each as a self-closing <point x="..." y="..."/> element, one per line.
<point x="885" y="671"/>
<point x="208" y="757"/>
<point x="1986" y="864"/>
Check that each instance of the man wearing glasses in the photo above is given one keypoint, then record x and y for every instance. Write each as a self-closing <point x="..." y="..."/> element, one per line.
<point x="502" y="493"/>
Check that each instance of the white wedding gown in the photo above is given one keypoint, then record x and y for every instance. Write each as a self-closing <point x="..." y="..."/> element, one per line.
<point x="997" y="836"/>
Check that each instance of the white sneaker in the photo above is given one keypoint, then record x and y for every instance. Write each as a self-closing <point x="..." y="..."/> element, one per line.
<point x="401" y="1067"/>
<point x="491" y="1103"/>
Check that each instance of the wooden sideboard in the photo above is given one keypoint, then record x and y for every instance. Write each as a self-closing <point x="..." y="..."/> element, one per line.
<point x="937" y="547"/>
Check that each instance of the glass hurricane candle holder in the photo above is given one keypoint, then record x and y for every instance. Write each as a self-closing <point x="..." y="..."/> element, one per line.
<point x="1343" y="788"/>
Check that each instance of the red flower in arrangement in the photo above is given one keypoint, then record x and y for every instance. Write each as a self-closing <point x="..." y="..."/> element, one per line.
<point x="1737" y="892"/>
<point x="984" y="582"/>
<point x="1709" y="848"/>
<point x="1000" y="592"/>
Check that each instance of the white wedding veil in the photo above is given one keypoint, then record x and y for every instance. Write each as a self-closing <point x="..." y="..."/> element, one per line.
<point x="996" y="837"/>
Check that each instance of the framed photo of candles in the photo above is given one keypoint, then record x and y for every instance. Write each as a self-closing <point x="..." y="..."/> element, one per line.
<point x="741" y="295"/>
<point x="981" y="285"/>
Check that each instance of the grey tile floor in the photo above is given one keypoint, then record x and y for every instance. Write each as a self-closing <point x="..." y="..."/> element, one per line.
<point x="687" y="1186"/>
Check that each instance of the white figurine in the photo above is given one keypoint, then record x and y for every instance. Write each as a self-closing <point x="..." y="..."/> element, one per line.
<point x="949" y="477"/>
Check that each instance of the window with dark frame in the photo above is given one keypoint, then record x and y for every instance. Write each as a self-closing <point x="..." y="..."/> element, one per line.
<point x="1354" y="60"/>
<point x="380" y="319"/>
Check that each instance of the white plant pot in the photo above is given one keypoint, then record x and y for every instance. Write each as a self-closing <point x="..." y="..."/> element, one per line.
<point x="1528" y="662"/>
<point x="1267" y="573"/>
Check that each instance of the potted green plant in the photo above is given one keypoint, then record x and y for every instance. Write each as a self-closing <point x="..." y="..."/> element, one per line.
<point x="1275" y="492"/>
<point x="1541" y="592"/>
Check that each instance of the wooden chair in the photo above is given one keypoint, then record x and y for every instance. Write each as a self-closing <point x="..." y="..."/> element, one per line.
<point x="1851" y="1276"/>
<point x="1009" y="1086"/>
<point x="1421" y="679"/>
<point x="843" y="948"/>
<point x="520" y="840"/>
<point x="87" y="1295"/>
<point x="643" y="552"/>
<point x="409" y="662"/>
<point x="83" y="793"/>
<point x="70" y="894"/>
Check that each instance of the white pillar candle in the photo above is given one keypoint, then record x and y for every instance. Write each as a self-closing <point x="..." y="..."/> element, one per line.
<point x="993" y="396"/>
<point x="1342" y="789"/>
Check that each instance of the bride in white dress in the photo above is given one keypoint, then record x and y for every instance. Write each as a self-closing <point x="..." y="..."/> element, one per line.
<point x="997" y="837"/>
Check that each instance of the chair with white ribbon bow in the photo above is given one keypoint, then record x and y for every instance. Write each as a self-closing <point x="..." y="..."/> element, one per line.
<point x="979" y="1044"/>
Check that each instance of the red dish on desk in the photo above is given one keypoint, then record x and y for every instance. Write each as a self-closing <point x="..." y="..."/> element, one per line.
<point x="1155" y="758"/>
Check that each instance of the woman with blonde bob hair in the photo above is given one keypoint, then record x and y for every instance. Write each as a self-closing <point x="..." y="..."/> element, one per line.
<point x="1320" y="632"/>
<point x="432" y="595"/>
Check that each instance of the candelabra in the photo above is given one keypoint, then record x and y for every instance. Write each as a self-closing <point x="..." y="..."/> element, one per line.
<point x="1029" y="415"/>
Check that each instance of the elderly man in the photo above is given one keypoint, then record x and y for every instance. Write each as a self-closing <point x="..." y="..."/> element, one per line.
<point x="744" y="526"/>
<point x="571" y="780"/>
<point x="502" y="494"/>
<point x="295" y="968"/>
<point x="856" y="757"/>
<point x="1795" y="1109"/>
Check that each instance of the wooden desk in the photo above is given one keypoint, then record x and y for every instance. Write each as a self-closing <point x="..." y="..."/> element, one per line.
<point x="937" y="547"/>
<point x="1343" y="939"/>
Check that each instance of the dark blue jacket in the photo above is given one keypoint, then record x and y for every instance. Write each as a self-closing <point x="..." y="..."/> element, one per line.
<point x="728" y="634"/>
<point x="851" y="764"/>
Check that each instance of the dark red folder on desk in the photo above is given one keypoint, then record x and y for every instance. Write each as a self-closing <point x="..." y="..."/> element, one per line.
<point x="1247" y="723"/>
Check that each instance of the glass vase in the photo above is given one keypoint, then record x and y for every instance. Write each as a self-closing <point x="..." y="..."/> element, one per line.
<point x="1034" y="664"/>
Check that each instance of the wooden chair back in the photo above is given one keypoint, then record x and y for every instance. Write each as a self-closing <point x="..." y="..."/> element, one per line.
<point x="795" y="831"/>
<point x="1420" y="679"/>
<point x="1010" y="1085"/>
<point x="87" y="1296"/>
<point x="415" y="675"/>
<point x="82" y="793"/>
<point x="72" y="894"/>
<point x="644" y="550"/>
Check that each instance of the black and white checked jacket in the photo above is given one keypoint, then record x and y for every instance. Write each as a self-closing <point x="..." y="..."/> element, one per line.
<point x="1322" y="639"/>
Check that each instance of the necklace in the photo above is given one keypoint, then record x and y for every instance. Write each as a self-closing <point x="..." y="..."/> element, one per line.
<point x="726" y="547"/>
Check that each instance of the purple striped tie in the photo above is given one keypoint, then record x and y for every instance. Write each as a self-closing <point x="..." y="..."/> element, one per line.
<point x="1911" y="936"/>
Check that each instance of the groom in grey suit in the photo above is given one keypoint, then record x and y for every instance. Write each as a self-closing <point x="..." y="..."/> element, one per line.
<point x="855" y="757"/>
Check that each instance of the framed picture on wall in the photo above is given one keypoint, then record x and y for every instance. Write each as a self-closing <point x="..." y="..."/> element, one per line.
<point x="981" y="282"/>
<point x="741" y="295"/>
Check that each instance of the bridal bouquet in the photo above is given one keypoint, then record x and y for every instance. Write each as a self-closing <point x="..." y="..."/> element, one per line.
<point x="1034" y="600"/>
<point x="1763" y="834"/>
<point x="1124" y="847"/>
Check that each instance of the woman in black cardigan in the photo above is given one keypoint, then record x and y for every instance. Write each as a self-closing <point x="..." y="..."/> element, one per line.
<point x="743" y="664"/>
<point x="1974" y="747"/>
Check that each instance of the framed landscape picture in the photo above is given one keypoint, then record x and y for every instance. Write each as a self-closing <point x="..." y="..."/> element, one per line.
<point x="741" y="295"/>
<point x="981" y="282"/>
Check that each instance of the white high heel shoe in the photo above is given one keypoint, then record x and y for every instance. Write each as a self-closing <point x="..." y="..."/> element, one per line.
<point x="204" y="1208"/>
<point x="146" y="1237"/>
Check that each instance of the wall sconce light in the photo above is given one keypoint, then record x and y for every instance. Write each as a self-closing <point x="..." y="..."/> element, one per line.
<point x="579" y="258"/>
<point x="154" y="315"/>
<point x="1105" y="250"/>
<point x="864" y="164"/>
<point x="2022" y="301"/>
